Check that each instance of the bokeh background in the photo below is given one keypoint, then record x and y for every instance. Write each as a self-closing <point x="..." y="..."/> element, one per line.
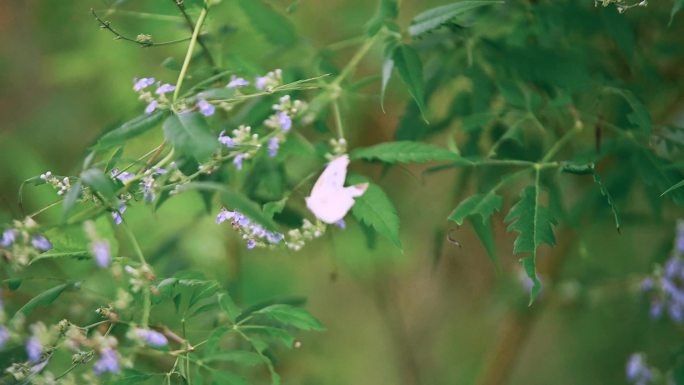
<point x="435" y="313"/>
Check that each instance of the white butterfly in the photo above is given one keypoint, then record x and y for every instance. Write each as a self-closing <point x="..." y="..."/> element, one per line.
<point x="329" y="200"/>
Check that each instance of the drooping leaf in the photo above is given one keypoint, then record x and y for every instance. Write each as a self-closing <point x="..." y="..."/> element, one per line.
<point x="410" y="68"/>
<point x="275" y="27"/>
<point x="129" y="130"/>
<point x="375" y="209"/>
<point x="534" y="225"/>
<point x="674" y="187"/>
<point x="387" y="68"/>
<point x="483" y="204"/>
<point x="43" y="299"/>
<point x="435" y="17"/>
<point x="71" y="197"/>
<point x="584" y="169"/>
<point x="484" y="231"/>
<point x="676" y="7"/>
<point x="190" y="135"/>
<point x="404" y="152"/>
<point x="228" y="305"/>
<point x="100" y="184"/>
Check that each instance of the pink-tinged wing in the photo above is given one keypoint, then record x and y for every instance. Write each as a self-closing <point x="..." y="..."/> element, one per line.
<point x="331" y="206"/>
<point x="333" y="176"/>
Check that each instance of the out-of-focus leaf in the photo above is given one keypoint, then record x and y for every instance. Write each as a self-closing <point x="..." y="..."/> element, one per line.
<point x="404" y="152"/>
<point x="129" y="130"/>
<point x="228" y="305"/>
<point x="275" y="27"/>
<point x="640" y="116"/>
<point x="43" y="299"/>
<point x="292" y="316"/>
<point x="387" y="11"/>
<point x="676" y="7"/>
<point x="101" y="184"/>
<point x="71" y="197"/>
<point x="484" y="231"/>
<point x="435" y="17"/>
<point x="236" y="356"/>
<point x="190" y="135"/>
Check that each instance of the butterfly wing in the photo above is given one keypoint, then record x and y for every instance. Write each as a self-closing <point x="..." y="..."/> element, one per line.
<point x="332" y="178"/>
<point x="330" y="201"/>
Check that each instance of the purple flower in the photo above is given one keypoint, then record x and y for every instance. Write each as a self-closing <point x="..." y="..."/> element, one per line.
<point x="164" y="88"/>
<point x="34" y="349"/>
<point x="637" y="371"/>
<point x="341" y="224"/>
<point x="122" y="176"/>
<point x="4" y="336"/>
<point x="224" y="215"/>
<point x="102" y="253"/>
<point x="141" y="84"/>
<point x="117" y="214"/>
<point x="260" y="82"/>
<point x="206" y="108"/>
<point x="41" y="243"/>
<point x="108" y="362"/>
<point x="673" y="267"/>
<point x="273" y="146"/>
<point x="242" y="220"/>
<point x="226" y="140"/>
<point x="238" y="161"/>
<point x="8" y="237"/>
<point x="285" y="121"/>
<point x="656" y="309"/>
<point x="251" y="244"/>
<point x="274" y="237"/>
<point x="676" y="311"/>
<point x="151" y="107"/>
<point x="236" y="82"/>
<point x="152" y="337"/>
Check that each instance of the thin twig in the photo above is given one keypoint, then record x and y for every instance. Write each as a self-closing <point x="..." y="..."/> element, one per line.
<point x="200" y="41"/>
<point x="118" y="36"/>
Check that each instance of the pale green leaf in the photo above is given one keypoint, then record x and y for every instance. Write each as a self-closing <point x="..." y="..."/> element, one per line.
<point x="404" y="152"/>
<point x="274" y="26"/>
<point x="435" y="17"/>
<point x="375" y="209"/>
<point x="410" y="68"/>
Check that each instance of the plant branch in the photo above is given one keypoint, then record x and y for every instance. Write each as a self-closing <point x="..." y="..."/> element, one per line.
<point x="200" y="41"/>
<point x="188" y="55"/>
<point x="143" y="43"/>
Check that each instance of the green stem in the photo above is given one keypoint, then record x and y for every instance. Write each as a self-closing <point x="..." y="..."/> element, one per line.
<point x="188" y="54"/>
<point x="354" y="62"/>
<point x="338" y="119"/>
<point x="562" y="142"/>
<point x="147" y="301"/>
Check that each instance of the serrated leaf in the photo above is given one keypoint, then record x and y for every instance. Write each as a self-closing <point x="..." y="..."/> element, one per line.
<point x="534" y="225"/>
<point x="483" y="204"/>
<point x="375" y="209"/>
<point x="590" y="169"/>
<point x="43" y="299"/>
<point x="275" y="27"/>
<point x="190" y="135"/>
<point x="129" y="130"/>
<point x="410" y="68"/>
<point x="640" y="116"/>
<point x="101" y="184"/>
<point x="435" y="17"/>
<point x="404" y="152"/>
<point x="292" y="316"/>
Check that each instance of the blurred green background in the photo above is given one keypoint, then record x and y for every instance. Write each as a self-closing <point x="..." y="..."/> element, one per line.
<point x="432" y="314"/>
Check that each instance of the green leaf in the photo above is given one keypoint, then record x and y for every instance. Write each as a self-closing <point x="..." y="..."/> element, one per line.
<point x="584" y="169"/>
<point x="272" y="208"/>
<point x="227" y="378"/>
<point x="410" y="69"/>
<point x="190" y="135"/>
<point x="237" y="356"/>
<point x="534" y="225"/>
<point x="676" y="186"/>
<point x="228" y="306"/>
<point x="43" y="299"/>
<point x="484" y="231"/>
<point x="676" y="7"/>
<point x="387" y="11"/>
<point x="129" y="130"/>
<point x="640" y="116"/>
<point x="71" y="197"/>
<point x="275" y="27"/>
<point x="292" y="316"/>
<point x="404" y="152"/>
<point x="101" y="184"/>
<point x="435" y="17"/>
<point x="375" y="209"/>
<point x="483" y="204"/>
<point x="387" y="68"/>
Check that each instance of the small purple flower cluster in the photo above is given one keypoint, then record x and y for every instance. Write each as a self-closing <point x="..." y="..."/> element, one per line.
<point x="20" y="243"/>
<point x="252" y="232"/>
<point x="151" y="337"/>
<point x="61" y="185"/>
<point x="149" y="184"/>
<point x="249" y="144"/>
<point x="99" y="248"/>
<point x="108" y="362"/>
<point x="666" y="286"/>
<point x="638" y="372"/>
<point x="153" y="103"/>
<point x="269" y="81"/>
